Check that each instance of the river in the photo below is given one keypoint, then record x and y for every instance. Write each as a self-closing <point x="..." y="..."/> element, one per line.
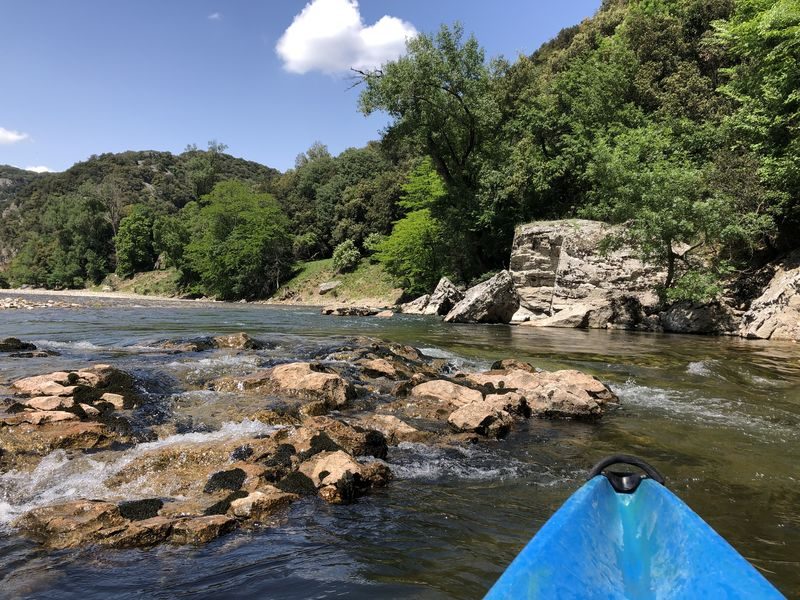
<point x="718" y="416"/>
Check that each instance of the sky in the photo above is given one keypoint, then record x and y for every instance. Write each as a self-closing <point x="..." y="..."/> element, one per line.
<point x="266" y="77"/>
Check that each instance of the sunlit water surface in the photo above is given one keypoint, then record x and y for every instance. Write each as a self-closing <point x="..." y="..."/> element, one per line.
<point x="718" y="416"/>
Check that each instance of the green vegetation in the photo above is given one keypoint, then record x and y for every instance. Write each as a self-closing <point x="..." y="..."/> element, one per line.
<point x="679" y="118"/>
<point x="368" y="283"/>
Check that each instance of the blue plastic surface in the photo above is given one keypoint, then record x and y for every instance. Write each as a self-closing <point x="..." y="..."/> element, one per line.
<point x="649" y="544"/>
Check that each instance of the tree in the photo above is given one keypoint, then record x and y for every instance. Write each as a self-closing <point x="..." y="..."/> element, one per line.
<point x="134" y="242"/>
<point x="203" y="167"/>
<point x="346" y="257"/>
<point x="240" y="244"/>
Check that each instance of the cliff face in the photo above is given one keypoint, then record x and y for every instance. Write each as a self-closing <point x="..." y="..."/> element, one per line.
<point x="556" y="264"/>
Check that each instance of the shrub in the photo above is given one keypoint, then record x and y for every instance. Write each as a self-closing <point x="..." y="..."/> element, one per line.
<point x="346" y="257"/>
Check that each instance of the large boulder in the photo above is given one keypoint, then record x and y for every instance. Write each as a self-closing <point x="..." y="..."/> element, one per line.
<point x="480" y="417"/>
<point x="443" y="299"/>
<point x="493" y="301"/>
<point x="687" y="317"/>
<point x="775" y="315"/>
<point x="557" y="265"/>
<point x="416" y="307"/>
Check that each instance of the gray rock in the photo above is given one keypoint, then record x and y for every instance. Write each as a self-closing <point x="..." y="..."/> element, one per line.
<point x="775" y="315"/>
<point x="686" y="317"/>
<point x="443" y="299"/>
<point x="493" y="301"/>
<point x="556" y="264"/>
<point x="328" y="287"/>
<point x="416" y="307"/>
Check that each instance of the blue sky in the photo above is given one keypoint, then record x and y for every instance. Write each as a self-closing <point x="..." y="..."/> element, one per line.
<point x="90" y="76"/>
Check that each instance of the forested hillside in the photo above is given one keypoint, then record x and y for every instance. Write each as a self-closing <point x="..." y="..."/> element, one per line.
<point x="679" y="118"/>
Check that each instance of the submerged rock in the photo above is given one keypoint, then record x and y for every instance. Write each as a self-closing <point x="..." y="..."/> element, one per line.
<point x="493" y="301"/>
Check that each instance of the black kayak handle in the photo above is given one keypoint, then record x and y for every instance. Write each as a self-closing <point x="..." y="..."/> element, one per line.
<point x="625" y="483"/>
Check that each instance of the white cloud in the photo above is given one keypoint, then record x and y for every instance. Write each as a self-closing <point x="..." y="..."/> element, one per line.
<point x="11" y="137"/>
<point x="330" y="36"/>
<point x="214" y="16"/>
<point x="39" y="169"/>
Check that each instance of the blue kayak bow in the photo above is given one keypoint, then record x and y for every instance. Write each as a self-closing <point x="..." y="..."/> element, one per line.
<point x="625" y="535"/>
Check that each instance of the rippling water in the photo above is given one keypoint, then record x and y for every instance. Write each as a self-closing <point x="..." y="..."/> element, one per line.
<point x="718" y="416"/>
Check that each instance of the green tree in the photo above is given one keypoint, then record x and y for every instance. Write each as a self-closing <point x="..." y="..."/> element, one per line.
<point x="134" y="242"/>
<point x="240" y="244"/>
<point x="346" y="257"/>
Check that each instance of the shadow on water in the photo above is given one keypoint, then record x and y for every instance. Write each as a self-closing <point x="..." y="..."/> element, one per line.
<point x="719" y="416"/>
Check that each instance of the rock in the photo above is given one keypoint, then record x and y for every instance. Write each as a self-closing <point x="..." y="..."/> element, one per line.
<point x="40" y="417"/>
<point x="775" y="314"/>
<point x="34" y="354"/>
<point x="385" y="314"/>
<point x="259" y="505"/>
<point x="381" y="367"/>
<point x="482" y="418"/>
<point x="52" y="384"/>
<point x="194" y="345"/>
<point x="416" y="307"/>
<point x="556" y="264"/>
<point x="232" y="479"/>
<point x="522" y="315"/>
<point x="493" y="301"/>
<point x="508" y="364"/>
<point x="302" y="380"/>
<point x="50" y="402"/>
<point x="350" y="311"/>
<point x="445" y="391"/>
<point x="328" y="287"/>
<point x="90" y="411"/>
<point x="685" y="317"/>
<point x="142" y="534"/>
<point x="26" y="440"/>
<point x="73" y="523"/>
<point x="511" y="403"/>
<point x="115" y="400"/>
<point x="200" y="530"/>
<point x="340" y="479"/>
<point x="238" y="341"/>
<point x="557" y="394"/>
<point x="355" y="440"/>
<point x="140" y="510"/>
<point x="443" y="299"/>
<point x="15" y="345"/>
<point x="395" y="430"/>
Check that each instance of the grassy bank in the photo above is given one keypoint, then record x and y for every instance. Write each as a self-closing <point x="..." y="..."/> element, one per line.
<point x="150" y="283"/>
<point x="368" y="284"/>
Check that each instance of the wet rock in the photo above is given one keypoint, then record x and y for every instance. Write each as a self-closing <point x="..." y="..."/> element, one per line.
<point x="482" y="418"/>
<point x="340" y="479"/>
<point x="381" y="367"/>
<point x="513" y="363"/>
<point x="237" y="341"/>
<point x="144" y="533"/>
<point x="448" y="392"/>
<point x="193" y="345"/>
<point x="51" y="384"/>
<point x="354" y="440"/>
<point x="257" y="506"/>
<point x="511" y="403"/>
<point x="40" y="417"/>
<point x="90" y="411"/>
<point x="775" y="314"/>
<point x="443" y="299"/>
<point x="557" y="394"/>
<point x="385" y="314"/>
<point x="416" y="307"/>
<point x="115" y="400"/>
<point x="328" y="287"/>
<point x="139" y="510"/>
<point x="350" y="311"/>
<point x="74" y="523"/>
<point x="12" y="344"/>
<point x="85" y="385"/>
<point x="26" y="441"/>
<point x="34" y="354"/>
<point x="493" y="301"/>
<point x="302" y="380"/>
<point x="232" y="479"/>
<point x="50" y="402"/>
<point x="223" y="506"/>
<point x="201" y="530"/>
<point x="395" y="430"/>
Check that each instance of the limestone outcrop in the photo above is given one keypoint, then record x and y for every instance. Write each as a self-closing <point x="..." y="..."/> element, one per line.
<point x="775" y="314"/>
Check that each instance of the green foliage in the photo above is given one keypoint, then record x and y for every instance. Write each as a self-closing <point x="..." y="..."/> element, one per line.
<point x="71" y="247"/>
<point x="134" y="242"/>
<point x="171" y="235"/>
<point x="412" y="253"/>
<point x="240" y="245"/>
<point x="346" y="257"/>
<point x="372" y="243"/>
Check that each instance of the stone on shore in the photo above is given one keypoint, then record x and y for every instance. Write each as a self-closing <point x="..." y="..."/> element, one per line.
<point x="443" y="299"/>
<point x="493" y="301"/>
<point x="417" y="306"/>
<point x="328" y="287"/>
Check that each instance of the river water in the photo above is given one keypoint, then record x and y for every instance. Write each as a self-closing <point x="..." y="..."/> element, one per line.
<point x="718" y="416"/>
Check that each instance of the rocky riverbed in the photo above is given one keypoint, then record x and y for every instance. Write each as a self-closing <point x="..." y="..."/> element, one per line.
<point x="321" y="427"/>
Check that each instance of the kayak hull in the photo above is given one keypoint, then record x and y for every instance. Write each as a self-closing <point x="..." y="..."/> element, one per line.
<point x="646" y="544"/>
